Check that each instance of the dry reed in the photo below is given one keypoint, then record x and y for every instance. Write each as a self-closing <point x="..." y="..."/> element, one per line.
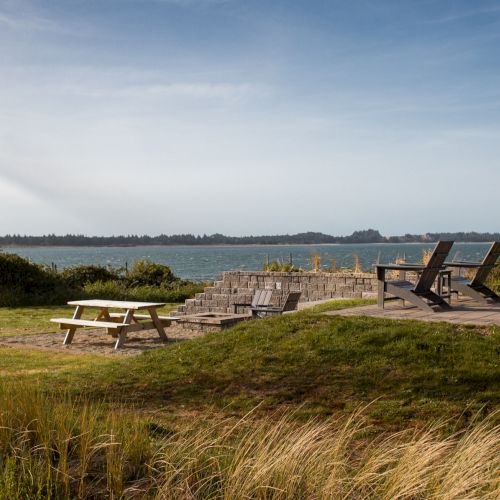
<point x="53" y="446"/>
<point x="276" y="459"/>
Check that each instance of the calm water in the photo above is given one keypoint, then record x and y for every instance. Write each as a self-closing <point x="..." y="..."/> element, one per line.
<point x="206" y="263"/>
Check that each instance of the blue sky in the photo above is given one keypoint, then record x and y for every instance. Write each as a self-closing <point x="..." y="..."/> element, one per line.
<point x="249" y="117"/>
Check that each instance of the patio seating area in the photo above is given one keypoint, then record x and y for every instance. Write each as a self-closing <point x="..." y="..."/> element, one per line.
<point x="464" y="311"/>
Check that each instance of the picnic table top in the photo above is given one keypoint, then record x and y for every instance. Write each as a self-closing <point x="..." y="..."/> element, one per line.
<point x="118" y="304"/>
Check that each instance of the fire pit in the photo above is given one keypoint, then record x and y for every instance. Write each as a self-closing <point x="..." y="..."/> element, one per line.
<point x="211" y="321"/>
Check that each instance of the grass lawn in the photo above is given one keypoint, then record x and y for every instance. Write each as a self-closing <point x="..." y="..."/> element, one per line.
<point x="29" y="320"/>
<point x="336" y="305"/>
<point x="175" y="421"/>
<point x="407" y="370"/>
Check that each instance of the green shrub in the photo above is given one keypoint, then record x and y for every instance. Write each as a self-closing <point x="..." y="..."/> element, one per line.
<point x="24" y="283"/>
<point x="280" y="267"/>
<point x="145" y="272"/>
<point x="144" y="293"/>
<point x="18" y="272"/>
<point x="79" y="276"/>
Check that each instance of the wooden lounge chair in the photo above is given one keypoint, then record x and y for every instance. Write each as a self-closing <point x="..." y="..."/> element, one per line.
<point x="290" y="303"/>
<point x="475" y="287"/>
<point x="261" y="298"/>
<point x="419" y="293"/>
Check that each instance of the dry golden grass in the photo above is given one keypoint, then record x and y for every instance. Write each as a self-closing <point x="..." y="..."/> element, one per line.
<point x="358" y="268"/>
<point x="274" y="459"/>
<point x="316" y="262"/>
<point x="51" y="446"/>
<point x="426" y="256"/>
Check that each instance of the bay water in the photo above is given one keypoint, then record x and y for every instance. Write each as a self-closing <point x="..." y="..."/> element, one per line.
<point x="204" y="263"/>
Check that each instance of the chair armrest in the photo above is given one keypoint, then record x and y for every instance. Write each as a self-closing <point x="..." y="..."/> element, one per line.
<point x="267" y="308"/>
<point x="463" y="264"/>
<point x="402" y="267"/>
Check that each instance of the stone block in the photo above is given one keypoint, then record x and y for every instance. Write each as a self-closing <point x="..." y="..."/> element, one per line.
<point x="344" y="288"/>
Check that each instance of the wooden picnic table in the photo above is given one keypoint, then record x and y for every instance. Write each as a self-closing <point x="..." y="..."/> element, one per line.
<point x="117" y="324"/>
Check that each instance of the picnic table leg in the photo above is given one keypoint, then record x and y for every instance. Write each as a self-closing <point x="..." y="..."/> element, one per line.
<point x="104" y="314"/>
<point x="122" y="335"/>
<point x="71" y="331"/>
<point x="157" y="323"/>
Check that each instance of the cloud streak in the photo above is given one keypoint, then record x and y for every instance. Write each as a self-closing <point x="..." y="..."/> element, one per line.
<point x="466" y="14"/>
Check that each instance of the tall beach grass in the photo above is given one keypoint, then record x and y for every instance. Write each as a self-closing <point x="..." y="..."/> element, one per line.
<point x="52" y="446"/>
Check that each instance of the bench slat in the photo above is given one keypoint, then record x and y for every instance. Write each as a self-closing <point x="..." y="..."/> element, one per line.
<point x="85" y="322"/>
<point x="144" y="316"/>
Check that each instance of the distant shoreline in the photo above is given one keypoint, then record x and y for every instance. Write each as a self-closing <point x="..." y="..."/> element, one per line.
<point x="244" y="245"/>
<point x="363" y="237"/>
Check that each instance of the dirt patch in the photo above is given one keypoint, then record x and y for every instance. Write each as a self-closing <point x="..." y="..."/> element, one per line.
<point x="99" y="342"/>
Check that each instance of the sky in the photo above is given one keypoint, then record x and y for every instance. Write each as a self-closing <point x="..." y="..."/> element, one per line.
<point x="248" y="116"/>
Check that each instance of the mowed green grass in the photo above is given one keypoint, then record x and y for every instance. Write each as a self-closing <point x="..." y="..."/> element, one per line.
<point x="407" y="371"/>
<point x="36" y="319"/>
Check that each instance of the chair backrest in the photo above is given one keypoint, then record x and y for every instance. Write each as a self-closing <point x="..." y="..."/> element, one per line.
<point x="435" y="264"/>
<point x="487" y="265"/>
<point x="291" y="301"/>
<point x="261" y="298"/>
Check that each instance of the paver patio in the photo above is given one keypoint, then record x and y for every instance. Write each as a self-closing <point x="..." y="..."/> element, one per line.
<point x="464" y="311"/>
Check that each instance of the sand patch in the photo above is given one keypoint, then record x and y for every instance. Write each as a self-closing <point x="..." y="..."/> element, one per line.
<point x="99" y="341"/>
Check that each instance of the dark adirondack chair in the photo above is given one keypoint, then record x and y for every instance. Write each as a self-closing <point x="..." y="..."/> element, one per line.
<point x="261" y="298"/>
<point x="419" y="293"/>
<point x="475" y="287"/>
<point x="290" y="303"/>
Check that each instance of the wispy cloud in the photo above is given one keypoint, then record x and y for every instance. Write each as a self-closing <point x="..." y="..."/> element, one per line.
<point x="26" y="16"/>
<point x="459" y="16"/>
<point x="196" y="90"/>
<point x="28" y="23"/>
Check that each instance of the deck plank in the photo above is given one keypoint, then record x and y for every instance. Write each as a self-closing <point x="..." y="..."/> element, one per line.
<point x="465" y="311"/>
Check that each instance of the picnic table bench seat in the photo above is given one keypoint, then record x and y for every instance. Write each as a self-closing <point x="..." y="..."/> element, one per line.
<point x="166" y="319"/>
<point x="65" y="322"/>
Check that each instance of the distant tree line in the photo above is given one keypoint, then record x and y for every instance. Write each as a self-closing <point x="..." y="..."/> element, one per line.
<point x="365" y="236"/>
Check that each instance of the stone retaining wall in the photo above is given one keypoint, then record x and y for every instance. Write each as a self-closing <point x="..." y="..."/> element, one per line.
<point x="238" y="287"/>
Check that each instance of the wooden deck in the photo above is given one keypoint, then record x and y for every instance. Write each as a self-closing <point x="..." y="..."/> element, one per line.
<point x="464" y="311"/>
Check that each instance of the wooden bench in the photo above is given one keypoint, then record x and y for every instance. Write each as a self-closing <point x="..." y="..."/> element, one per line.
<point x="65" y="323"/>
<point x="164" y="319"/>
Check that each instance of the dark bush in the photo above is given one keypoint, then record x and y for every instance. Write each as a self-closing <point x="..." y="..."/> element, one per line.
<point x="79" y="276"/>
<point x="24" y="283"/>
